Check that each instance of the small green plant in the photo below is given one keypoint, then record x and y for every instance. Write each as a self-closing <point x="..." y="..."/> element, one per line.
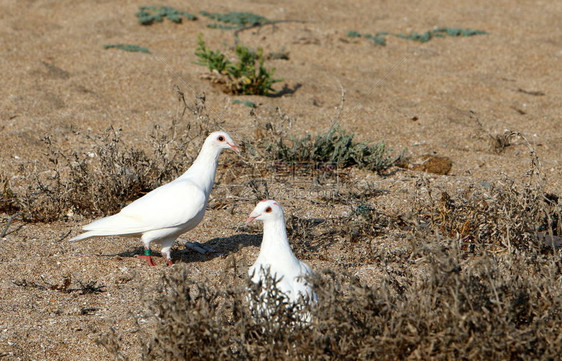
<point x="439" y="33"/>
<point x="127" y="47"/>
<point x="247" y="103"/>
<point x="378" y="38"/>
<point x="237" y="19"/>
<point x="147" y="15"/>
<point x="248" y="76"/>
<point x="214" y="60"/>
<point x="335" y="146"/>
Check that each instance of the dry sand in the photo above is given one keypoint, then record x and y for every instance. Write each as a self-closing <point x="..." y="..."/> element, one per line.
<point x="444" y="97"/>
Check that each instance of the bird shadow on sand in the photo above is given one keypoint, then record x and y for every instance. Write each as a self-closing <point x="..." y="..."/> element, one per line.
<point x="132" y="252"/>
<point x="220" y="246"/>
<point x="215" y="247"/>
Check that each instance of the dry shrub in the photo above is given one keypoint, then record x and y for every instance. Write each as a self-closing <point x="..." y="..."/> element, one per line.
<point x="189" y="320"/>
<point x="493" y="307"/>
<point x="306" y="242"/>
<point x="7" y="196"/>
<point x="355" y="233"/>
<point x="495" y="215"/>
<point x="114" y="173"/>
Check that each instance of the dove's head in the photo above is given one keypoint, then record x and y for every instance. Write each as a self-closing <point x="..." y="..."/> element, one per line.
<point x="221" y="140"/>
<point x="266" y="210"/>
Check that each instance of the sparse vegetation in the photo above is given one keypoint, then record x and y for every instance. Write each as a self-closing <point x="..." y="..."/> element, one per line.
<point x="84" y="288"/>
<point x="236" y="18"/>
<point x="458" y="310"/>
<point x="496" y="215"/>
<point x="471" y="269"/>
<point x="127" y="47"/>
<point x="147" y="15"/>
<point x="120" y="172"/>
<point x="247" y="103"/>
<point x="379" y="38"/>
<point x="248" y="76"/>
<point x="8" y="202"/>
<point x="337" y="147"/>
<point x="240" y="21"/>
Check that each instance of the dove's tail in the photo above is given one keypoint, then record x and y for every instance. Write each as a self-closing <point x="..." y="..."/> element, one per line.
<point x="85" y="235"/>
<point x="116" y="225"/>
<point x="97" y="233"/>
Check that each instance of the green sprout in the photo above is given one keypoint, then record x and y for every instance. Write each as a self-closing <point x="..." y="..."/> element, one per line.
<point x="248" y="76"/>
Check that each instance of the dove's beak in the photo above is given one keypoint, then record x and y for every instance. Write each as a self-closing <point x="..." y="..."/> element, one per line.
<point x="252" y="217"/>
<point x="234" y="147"/>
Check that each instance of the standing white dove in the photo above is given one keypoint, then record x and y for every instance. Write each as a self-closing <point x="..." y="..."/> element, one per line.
<point x="169" y="210"/>
<point x="276" y="256"/>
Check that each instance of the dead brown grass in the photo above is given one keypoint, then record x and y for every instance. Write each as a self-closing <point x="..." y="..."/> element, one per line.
<point x="494" y="307"/>
<point x="120" y="172"/>
<point x="505" y="215"/>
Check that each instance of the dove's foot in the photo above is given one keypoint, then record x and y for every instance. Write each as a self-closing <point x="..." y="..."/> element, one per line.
<point x="148" y="259"/>
<point x="169" y="261"/>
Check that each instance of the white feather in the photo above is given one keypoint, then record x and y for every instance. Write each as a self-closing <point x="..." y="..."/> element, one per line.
<point x="277" y="258"/>
<point x="171" y="205"/>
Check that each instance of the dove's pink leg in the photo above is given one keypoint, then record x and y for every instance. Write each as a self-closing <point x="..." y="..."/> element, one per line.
<point x="148" y="257"/>
<point x="166" y="250"/>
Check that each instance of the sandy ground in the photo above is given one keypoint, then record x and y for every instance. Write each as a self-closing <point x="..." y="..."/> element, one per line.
<point x="444" y="97"/>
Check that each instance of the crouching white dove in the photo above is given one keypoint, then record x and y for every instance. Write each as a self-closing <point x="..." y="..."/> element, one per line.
<point x="277" y="258"/>
<point x="169" y="210"/>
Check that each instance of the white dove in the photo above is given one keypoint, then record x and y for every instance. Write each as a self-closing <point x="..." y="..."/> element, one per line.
<point x="169" y="210"/>
<point x="276" y="256"/>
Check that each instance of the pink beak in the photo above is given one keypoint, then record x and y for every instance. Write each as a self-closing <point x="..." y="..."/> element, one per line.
<point x="234" y="147"/>
<point x="251" y="218"/>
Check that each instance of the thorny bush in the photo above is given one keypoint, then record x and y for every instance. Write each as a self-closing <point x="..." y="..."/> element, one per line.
<point x="496" y="307"/>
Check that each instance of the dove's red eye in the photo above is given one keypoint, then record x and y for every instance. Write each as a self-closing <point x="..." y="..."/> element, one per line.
<point x="220" y="138"/>
<point x="268" y="210"/>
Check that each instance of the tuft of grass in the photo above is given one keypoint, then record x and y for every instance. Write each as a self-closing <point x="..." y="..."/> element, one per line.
<point x="147" y="15"/>
<point x="248" y="76"/>
<point x="336" y="146"/>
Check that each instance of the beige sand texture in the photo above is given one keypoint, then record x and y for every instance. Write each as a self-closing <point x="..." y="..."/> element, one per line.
<point x="444" y="97"/>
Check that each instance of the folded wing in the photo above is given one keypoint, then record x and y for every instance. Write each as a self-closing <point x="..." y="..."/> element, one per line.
<point x="170" y="205"/>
